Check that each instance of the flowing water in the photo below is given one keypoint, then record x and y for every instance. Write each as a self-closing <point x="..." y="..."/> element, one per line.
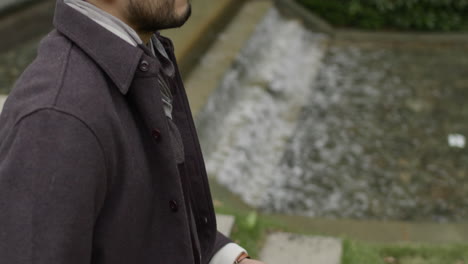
<point x="355" y="130"/>
<point x="250" y="119"/>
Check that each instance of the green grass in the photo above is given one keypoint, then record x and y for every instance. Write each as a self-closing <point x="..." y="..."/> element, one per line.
<point x="354" y="252"/>
<point x="251" y="229"/>
<point x="364" y="253"/>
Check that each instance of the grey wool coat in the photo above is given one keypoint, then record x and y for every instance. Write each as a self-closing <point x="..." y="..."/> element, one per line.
<point x="87" y="166"/>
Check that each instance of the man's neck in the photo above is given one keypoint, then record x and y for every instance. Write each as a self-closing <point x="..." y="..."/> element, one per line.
<point x="145" y="37"/>
<point x="113" y="10"/>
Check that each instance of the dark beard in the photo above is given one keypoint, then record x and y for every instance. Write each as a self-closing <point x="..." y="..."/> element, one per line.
<point x="152" y="18"/>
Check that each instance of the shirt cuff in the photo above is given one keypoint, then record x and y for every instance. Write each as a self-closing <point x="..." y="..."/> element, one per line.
<point x="227" y="254"/>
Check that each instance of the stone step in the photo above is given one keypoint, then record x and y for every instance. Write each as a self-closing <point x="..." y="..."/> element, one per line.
<point x="225" y="223"/>
<point x="283" y="248"/>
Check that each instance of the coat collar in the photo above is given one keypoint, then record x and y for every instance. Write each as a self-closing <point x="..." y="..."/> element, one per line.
<point x="116" y="57"/>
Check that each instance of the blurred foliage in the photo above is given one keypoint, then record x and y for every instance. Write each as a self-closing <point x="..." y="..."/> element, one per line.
<point x="421" y="15"/>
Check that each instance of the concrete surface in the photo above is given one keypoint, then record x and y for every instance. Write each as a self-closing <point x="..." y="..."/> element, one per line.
<point x="225" y="223"/>
<point x="283" y="248"/>
<point x="208" y="19"/>
<point x="294" y="9"/>
<point x="376" y="231"/>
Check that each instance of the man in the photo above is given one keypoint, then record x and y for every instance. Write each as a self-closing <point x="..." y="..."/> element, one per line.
<point x="99" y="158"/>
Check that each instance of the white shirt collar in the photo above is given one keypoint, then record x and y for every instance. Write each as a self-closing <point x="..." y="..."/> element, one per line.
<point x="106" y="20"/>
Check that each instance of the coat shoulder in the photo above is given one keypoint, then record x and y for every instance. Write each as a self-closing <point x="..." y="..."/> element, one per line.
<point x="64" y="77"/>
<point x="61" y="76"/>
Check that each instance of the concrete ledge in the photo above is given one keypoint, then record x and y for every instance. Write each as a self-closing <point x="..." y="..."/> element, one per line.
<point x="402" y="37"/>
<point x="376" y="231"/>
<point x="299" y="249"/>
<point x="201" y="33"/>
<point x="207" y="75"/>
<point x="291" y="8"/>
<point x="225" y="224"/>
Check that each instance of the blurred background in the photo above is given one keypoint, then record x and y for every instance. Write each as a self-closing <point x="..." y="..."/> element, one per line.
<point x="340" y="119"/>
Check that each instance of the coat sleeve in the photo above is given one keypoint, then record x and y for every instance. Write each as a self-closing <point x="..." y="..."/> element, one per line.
<point x="227" y="254"/>
<point x="52" y="185"/>
<point x="220" y="242"/>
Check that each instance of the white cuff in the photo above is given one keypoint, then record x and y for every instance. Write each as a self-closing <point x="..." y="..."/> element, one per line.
<point x="227" y="254"/>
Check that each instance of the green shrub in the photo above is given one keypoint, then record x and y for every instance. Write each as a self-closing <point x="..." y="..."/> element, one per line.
<point x="420" y="15"/>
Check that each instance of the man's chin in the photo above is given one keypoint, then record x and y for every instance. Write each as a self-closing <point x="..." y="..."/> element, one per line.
<point x="185" y="16"/>
<point x="173" y="22"/>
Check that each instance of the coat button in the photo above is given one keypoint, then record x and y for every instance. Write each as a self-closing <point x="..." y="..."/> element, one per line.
<point x="156" y="134"/>
<point x="144" y="66"/>
<point x="205" y="220"/>
<point x="173" y="205"/>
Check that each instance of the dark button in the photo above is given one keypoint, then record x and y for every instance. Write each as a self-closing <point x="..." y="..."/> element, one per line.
<point x="173" y="205"/>
<point x="205" y="220"/>
<point x="156" y="134"/>
<point x="144" y="66"/>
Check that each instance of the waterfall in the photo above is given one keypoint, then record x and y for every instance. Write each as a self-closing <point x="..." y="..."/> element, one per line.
<point x="251" y="117"/>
